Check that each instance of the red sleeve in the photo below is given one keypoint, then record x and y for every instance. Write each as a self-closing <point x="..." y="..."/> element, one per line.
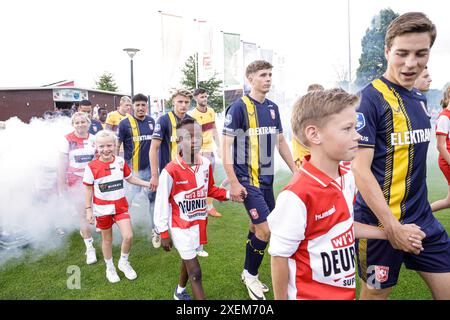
<point x="213" y="191"/>
<point x="126" y="171"/>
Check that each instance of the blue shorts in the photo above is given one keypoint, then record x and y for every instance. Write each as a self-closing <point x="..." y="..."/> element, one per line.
<point x="258" y="203"/>
<point x="379" y="263"/>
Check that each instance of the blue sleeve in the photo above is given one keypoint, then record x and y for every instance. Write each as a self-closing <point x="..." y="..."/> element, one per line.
<point x="160" y="128"/>
<point x="279" y="125"/>
<point x="367" y="119"/>
<point x="234" y="120"/>
<point x="122" y="131"/>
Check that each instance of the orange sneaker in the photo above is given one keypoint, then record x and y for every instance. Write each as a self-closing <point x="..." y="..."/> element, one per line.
<point x="213" y="212"/>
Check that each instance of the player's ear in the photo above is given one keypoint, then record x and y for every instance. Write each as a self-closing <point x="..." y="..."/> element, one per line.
<point x="313" y="135"/>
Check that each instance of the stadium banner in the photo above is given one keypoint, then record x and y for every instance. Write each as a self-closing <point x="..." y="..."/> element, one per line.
<point x="205" y="56"/>
<point x="232" y="66"/>
<point x="250" y="54"/>
<point x="69" y="95"/>
<point x="266" y="54"/>
<point x="172" y="42"/>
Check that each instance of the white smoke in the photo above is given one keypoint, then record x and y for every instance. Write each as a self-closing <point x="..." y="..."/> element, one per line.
<point x="30" y="210"/>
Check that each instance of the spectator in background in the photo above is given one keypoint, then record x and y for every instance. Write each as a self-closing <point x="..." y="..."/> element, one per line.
<point x="114" y="118"/>
<point x="86" y="107"/>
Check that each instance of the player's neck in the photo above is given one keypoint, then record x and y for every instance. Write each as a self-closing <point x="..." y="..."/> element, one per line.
<point x="106" y="159"/>
<point x="123" y="114"/>
<point x="388" y="77"/>
<point x="257" y="95"/>
<point x="178" y="114"/>
<point x="191" y="159"/>
<point x="202" y="108"/>
<point x="81" y="135"/>
<point x="325" y="164"/>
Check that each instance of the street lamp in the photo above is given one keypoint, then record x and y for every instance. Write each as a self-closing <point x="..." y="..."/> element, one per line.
<point x="131" y="53"/>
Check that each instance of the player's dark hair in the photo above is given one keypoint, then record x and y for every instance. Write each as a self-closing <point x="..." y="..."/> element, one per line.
<point x="139" y="97"/>
<point x="199" y="91"/>
<point x="85" y="103"/>
<point x="185" y="122"/>
<point x="101" y="109"/>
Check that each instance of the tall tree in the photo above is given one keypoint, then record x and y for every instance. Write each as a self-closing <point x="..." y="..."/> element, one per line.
<point x="372" y="62"/>
<point x="106" y="82"/>
<point x="213" y="85"/>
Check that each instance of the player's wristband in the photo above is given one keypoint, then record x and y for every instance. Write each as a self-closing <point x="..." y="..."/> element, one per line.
<point x="88" y="208"/>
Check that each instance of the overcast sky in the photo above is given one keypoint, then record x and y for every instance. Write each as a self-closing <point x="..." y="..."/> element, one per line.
<point x="46" y="41"/>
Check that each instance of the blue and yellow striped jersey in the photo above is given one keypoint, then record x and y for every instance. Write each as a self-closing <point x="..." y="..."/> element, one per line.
<point x="255" y="127"/>
<point x="395" y="122"/>
<point x="136" y="136"/>
<point x="166" y="131"/>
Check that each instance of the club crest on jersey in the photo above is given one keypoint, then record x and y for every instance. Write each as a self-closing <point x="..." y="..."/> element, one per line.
<point x="381" y="273"/>
<point x="150" y="125"/>
<point x="272" y="114"/>
<point x="360" y="121"/>
<point x="157" y="127"/>
<point x="254" y="213"/>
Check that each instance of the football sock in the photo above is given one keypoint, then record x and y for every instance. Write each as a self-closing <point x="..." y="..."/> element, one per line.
<point x="247" y="256"/>
<point x="89" y="243"/>
<point x="255" y="254"/>
<point x="124" y="256"/>
<point x="180" y="289"/>
<point x="109" y="263"/>
<point x="200" y="248"/>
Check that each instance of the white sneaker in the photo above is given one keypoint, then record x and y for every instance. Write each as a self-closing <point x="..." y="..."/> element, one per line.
<point x="202" y="253"/>
<point x="91" y="257"/>
<point x="127" y="269"/>
<point x="111" y="275"/>
<point x="264" y="287"/>
<point x="254" y="288"/>
<point x="156" y="239"/>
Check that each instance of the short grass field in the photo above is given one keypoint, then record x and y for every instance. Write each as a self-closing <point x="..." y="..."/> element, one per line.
<point x="45" y="276"/>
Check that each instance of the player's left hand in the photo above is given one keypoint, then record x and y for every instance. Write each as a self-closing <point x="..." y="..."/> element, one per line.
<point x="166" y="243"/>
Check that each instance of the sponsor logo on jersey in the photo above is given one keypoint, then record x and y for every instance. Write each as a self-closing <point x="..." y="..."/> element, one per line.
<point x="262" y="131"/>
<point x="381" y="273"/>
<point x="410" y="137"/>
<point x="337" y="262"/>
<point x="228" y="119"/>
<point x="360" y="121"/>
<point x="194" y="203"/>
<point x="83" y="158"/>
<point x="144" y="137"/>
<point x="182" y="182"/>
<point x="325" y="214"/>
<point x="272" y="114"/>
<point x="111" y="186"/>
<point x="254" y="213"/>
<point x="344" y="240"/>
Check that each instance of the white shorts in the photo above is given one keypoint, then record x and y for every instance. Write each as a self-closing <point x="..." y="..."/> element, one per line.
<point x="186" y="241"/>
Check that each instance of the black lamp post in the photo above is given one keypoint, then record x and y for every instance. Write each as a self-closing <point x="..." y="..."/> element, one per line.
<point x="131" y="53"/>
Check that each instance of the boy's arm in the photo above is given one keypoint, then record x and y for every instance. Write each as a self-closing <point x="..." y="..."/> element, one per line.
<point x="163" y="210"/>
<point x="285" y="153"/>
<point x="217" y="193"/>
<point x="154" y="149"/>
<point x="365" y="231"/>
<point x="88" y="204"/>
<point x="236" y="188"/>
<point x="138" y="181"/>
<point x="396" y="233"/>
<point x="280" y="277"/>
<point x="287" y="224"/>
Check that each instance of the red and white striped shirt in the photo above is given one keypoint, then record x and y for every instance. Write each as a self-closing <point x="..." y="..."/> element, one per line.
<point x="443" y="126"/>
<point x="181" y="195"/>
<point x="312" y="225"/>
<point x="108" y="181"/>
<point x="80" y="152"/>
